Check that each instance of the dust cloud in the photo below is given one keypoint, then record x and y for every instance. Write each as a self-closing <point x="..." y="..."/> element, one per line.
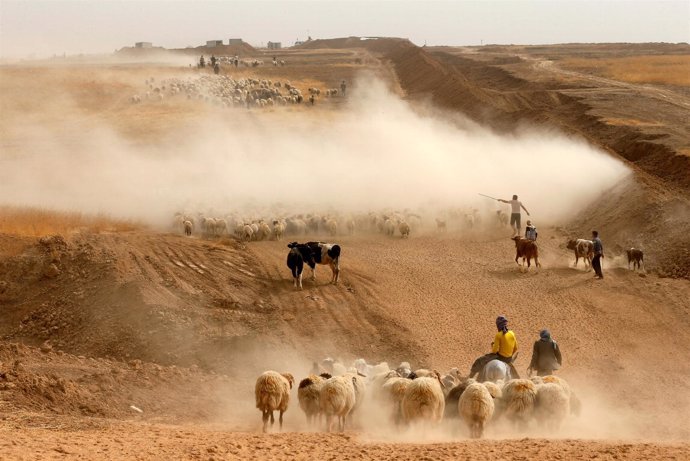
<point x="377" y="153"/>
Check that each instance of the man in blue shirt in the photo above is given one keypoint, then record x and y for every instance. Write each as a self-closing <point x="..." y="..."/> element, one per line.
<point x="598" y="254"/>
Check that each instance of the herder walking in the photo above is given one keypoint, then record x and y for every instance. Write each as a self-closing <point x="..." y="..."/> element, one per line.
<point x="515" y="216"/>
<point x="598" y="254"/>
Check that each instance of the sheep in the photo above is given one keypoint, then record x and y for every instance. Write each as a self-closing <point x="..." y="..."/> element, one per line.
<point x="264" y="231"/>
<point x="518" y="399"/>
<point x="552" y="405"/>
<point x="404" y="229"/>
<point x="337" y="398"/>
<point x="476" y="407"/>
<point x="278" y="230"/>
<point x="502" y="218"/>
<point x="379" y="380"/>
<point x="221" y="227"/>
<point x="494" y="389"/>
<point x="423" y="373"/>
<point x="423" y="400"/>
<point x="308" y="395"/>
<point x="350" y="224"/>
<point x="393" y="392"/>
<point x="188" y="226"/>
<point x="247" y="232"/>
<point x="389" y="227"/>
<point x="557" y="380"/>
<point x="332" y="227"/>
<point x="453" y="397"/>
<point x="209" y="226"/>
<point x="272" y="392"/>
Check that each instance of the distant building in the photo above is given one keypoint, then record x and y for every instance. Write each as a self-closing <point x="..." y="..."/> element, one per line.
<point x="213" y="43"/>
<point x="234" y="41"/>
<point x="143" y="45"/>
<point x="274" y="45"/>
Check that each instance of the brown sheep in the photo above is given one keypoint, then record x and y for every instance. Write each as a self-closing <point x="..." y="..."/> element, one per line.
<point x="272" y="392"/>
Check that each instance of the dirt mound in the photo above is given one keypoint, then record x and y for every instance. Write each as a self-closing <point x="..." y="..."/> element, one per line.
<point x="54" y="382"/>
<point x="179" y="301"/>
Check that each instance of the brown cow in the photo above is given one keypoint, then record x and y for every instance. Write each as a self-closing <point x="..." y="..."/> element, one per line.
<point x="583" y="249"/>
<point x="526" y="249"/>
<point x="636" y="257"/>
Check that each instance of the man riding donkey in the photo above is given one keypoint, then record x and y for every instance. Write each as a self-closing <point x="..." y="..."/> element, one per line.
<point x="504" y="348"/>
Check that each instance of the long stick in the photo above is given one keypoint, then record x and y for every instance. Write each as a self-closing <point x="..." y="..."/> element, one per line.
<point x="488" y="196"/>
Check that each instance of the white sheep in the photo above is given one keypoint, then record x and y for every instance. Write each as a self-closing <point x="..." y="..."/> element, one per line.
<point x="332" y="227"/>
<point x="209" y="226"/>
<point x="476" y="407"/>
<point x="393" y="392"/>
<point x="308" y="395"/>
<point x="337" y="398"/>
<point x="552" y="405"/>
<point x="494" y="389"/>
<point x="247" y="232"/>
<point x="360" y="388"/>
<point x="518" y="400"/>
<point x="272" y="392"/>
<point x="188" y="227"/>
<point x="221" y="227"/>
<point x="423" y="400"/>
<point x="278" y="230"/>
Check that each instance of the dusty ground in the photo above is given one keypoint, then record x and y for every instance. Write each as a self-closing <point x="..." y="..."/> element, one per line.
<point x="179" y="327"/>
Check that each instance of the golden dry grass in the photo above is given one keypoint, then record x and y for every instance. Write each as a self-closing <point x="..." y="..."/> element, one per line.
<point x="36" y="222"/>
<point x="667" y="70"/>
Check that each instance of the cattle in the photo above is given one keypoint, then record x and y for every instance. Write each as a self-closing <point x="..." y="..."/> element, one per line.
<point x="583" y="249"/>
<point x="635" y="256"/>
<point x="325" y="253"/>
<point x="526" y="249"/>
<point x="299" y="253"/>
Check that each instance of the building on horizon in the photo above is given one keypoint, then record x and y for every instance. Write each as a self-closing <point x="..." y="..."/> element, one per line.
<point x="235" y="41"/>
<point x="143" y="45"/>
<point x="274" y="45"/>
<point x="213" y="43"/>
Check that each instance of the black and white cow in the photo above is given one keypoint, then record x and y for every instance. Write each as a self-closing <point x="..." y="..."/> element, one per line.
<point x="327" y="254"/>
<point x="299" y="253"/>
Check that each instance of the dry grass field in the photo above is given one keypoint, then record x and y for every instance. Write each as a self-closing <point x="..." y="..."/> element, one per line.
<point x="662" y="70"/>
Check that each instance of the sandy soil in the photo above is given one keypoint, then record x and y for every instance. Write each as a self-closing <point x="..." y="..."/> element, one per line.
<point x="145" y="344"/>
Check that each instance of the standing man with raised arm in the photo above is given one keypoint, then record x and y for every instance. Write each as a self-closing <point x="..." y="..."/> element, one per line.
<point x="515" y="206"/>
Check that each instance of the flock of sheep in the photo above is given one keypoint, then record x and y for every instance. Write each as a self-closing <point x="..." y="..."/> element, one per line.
<point x="225" y="91"/>
<point x="422" y="397"/>
<point x="274" y="226"/>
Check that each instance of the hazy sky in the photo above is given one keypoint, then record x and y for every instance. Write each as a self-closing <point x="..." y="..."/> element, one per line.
<point x="46" y="27"/>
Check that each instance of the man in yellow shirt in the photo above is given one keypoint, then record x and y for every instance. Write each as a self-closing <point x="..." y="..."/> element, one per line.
<point x="503" y="348"/>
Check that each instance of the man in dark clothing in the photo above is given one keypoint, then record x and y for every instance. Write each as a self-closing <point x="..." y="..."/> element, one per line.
<point x="343" y="87"/>
<point x="598" y="254"/>
<point x="546" y="356"/>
